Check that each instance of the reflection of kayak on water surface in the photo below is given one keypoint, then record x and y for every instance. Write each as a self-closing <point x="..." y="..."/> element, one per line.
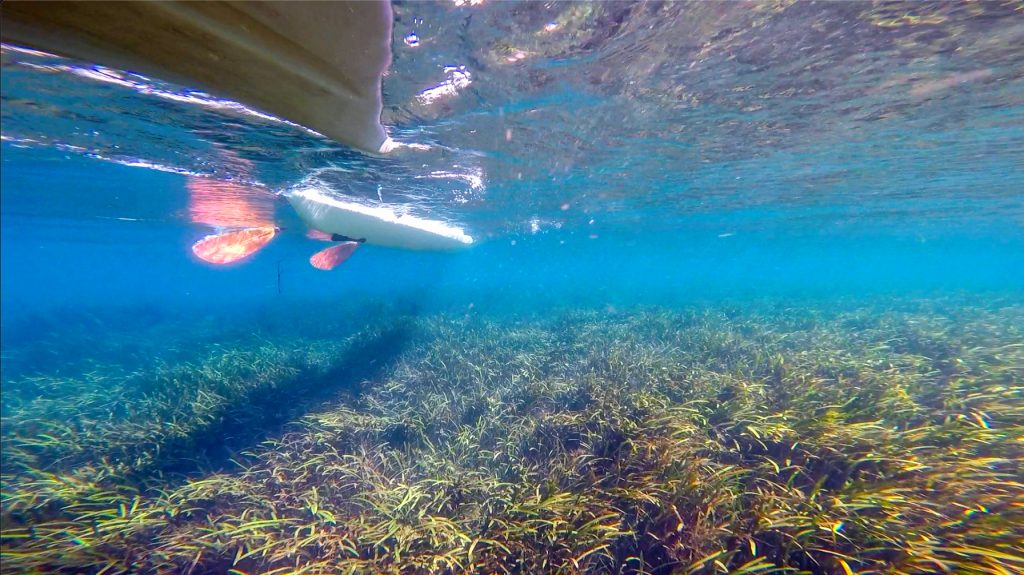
<point x="318" y="64"/>
<point x="375" y="224"/>
<point x="245" y="214"/>
<point x="328" y="218"/>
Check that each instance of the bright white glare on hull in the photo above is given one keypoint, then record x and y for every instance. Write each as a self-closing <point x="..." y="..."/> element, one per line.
<point x="381" y="225"/>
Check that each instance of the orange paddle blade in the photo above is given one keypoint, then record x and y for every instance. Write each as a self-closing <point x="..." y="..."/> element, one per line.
<point x="229" y="247"/>
<point x="332" y="257"/>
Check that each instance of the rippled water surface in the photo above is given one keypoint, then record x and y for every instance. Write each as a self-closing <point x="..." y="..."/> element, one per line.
<point x="550" y="115"/>
<point x="633" y="148"/>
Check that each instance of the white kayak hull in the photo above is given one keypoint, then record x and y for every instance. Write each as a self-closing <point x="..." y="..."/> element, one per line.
<point x="377" y="225"/>
<point x="317" y="64"/>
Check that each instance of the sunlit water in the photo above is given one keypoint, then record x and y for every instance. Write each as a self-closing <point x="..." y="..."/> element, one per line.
<point x="767" y="258"/>
<point x="613" y="150"/>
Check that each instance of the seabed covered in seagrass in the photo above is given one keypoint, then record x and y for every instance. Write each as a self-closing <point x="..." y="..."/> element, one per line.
<point x="856" y="437"/>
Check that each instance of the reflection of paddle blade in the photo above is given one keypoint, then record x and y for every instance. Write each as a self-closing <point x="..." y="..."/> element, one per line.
<point x="229" y="247"/>
<point x="332" y="257"/>
<point x="318" y="235"/>
<point x="229" y="205"/>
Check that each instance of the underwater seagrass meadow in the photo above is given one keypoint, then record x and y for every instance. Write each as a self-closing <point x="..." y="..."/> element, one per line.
<point x="856" y="437"/>
<point x="738" y="289"/>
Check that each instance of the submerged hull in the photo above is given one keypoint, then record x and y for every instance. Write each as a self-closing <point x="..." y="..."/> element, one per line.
<point x="377" y="225"/>
<point x="318" y="64"/>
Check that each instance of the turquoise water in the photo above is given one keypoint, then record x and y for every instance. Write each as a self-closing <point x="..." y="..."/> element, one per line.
<point x="691" y="208"/>
<point x="633" y="152"/>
